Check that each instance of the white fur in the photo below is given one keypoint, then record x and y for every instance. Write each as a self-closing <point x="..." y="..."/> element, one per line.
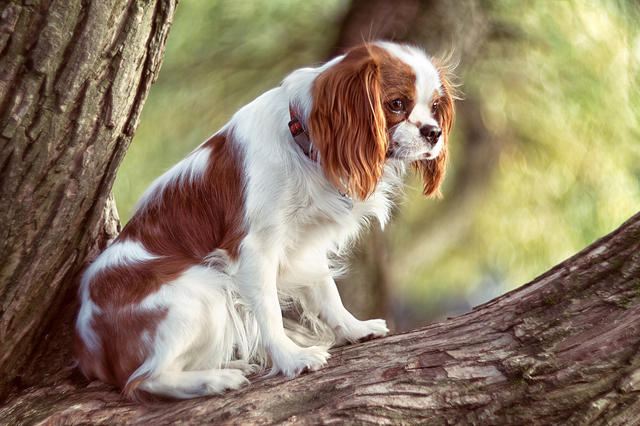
<point x="120" y="253"/>
<point x="225" y="318"/>
<point x="194" y="346"/>
<point x="190" y="168"/>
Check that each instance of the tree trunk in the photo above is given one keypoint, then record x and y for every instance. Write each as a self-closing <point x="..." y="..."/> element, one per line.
<point x="74" y="75"/>
<point x="562" y="349"/>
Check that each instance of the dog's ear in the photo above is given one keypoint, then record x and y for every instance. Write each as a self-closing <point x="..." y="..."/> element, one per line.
<point x="347" y="123"/>
<point x="432" y="171"/>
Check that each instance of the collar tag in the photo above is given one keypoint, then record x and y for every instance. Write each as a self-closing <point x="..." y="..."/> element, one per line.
<point x="348" y="200"/>
<point x="301" y="135"/>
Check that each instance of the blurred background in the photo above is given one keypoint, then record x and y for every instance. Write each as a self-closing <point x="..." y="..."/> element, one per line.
<point x="545" y="146"/>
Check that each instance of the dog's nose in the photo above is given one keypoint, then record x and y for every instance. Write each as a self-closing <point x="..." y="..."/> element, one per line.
<point x="430" y="133"/>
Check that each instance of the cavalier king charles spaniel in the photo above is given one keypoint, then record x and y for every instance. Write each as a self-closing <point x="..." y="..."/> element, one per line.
<point x="189" y="299"/>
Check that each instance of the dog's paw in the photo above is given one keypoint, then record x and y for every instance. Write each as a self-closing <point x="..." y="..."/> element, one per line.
<point x="192" y="384"/>
<point x="300" y="360"/>
<point x="361" y="331"/>
<point x="246" y="368"/>
<point x="219" y="381"/>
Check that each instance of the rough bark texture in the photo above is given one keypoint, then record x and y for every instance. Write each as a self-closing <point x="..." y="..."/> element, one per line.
<point x="74" y="75"/>
<point x="562" y="349"/>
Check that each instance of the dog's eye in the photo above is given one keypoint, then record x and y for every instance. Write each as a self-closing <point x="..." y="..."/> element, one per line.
<point x="396" y="105"/>
<point x="434" y="107"/>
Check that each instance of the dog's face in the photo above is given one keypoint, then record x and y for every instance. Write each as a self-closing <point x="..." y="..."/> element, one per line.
<point x="413" y="98"/>
<point x="382" y="101"/>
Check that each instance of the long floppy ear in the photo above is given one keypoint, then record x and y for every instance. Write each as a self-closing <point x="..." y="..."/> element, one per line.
<point x="433" y="171"/>
<point x="347" y="123"/>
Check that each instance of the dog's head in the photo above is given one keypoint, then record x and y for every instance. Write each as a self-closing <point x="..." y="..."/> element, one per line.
<point x="382" y="100"/>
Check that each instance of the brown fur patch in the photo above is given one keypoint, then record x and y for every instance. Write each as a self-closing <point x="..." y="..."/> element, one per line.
<point x="192" y="220"/>
<point x="122" y="349"/>
<point x="398" y="81"/>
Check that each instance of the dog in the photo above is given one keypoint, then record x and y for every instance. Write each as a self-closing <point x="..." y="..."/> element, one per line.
<point x="189" y="298"/>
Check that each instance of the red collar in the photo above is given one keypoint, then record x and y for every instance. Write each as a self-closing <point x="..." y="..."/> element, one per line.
<point x="301" y="135"/>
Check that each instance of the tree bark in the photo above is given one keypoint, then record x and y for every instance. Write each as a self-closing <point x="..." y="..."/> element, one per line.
<point x="562" y="349"/>
<point x="74" y="75"/>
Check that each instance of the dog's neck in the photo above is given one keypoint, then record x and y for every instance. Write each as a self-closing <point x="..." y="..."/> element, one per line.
<point x="301" y="137"/>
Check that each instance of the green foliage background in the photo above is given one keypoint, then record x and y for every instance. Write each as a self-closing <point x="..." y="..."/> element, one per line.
<point x="559" y="88"/>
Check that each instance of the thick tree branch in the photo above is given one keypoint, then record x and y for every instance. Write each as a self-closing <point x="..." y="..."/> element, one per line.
<point x="562" y="349"/>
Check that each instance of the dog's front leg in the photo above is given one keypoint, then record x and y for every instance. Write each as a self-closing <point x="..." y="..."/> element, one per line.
<point x="326" y="301"/>
<point x="257" y="281"/>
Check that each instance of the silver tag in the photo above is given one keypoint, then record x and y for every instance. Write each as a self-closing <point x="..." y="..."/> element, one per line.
<point x="347" y="200"/>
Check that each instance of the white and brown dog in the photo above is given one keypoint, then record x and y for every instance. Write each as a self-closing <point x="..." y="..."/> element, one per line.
<point x="189" y="297"/>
